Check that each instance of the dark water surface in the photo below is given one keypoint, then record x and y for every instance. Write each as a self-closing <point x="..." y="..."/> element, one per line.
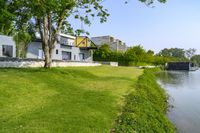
<point x="184" y="91"/>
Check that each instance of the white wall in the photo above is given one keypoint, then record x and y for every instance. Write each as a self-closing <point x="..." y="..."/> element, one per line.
<point x="7" y="40"/>
<point x="32" y="64"/>
<point x="33" y="48"/>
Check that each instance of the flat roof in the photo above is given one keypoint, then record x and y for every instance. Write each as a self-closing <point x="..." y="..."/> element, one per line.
<point x="68" y="36"/>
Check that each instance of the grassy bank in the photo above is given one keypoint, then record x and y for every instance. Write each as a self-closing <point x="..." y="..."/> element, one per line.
<point x="71" y="100"/>
<point x="145" y="108"/>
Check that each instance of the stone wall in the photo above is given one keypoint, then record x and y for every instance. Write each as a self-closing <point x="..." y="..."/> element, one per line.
<point x="114" y="64"/>
<point x="35" y="64"/>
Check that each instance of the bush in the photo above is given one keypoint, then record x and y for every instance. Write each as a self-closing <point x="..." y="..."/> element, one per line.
<point x="134" y="56"/>
<point x="145" y="108"/>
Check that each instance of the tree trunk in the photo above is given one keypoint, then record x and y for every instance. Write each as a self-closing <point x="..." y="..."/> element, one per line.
<point x="47" y="55"/>
<point x="46" y="43"/>
<point x="48" y="60"/>
<point x="48" y="37"/>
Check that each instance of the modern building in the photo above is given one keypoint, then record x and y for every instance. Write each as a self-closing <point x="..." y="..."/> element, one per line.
<point x="68" y="48"/>
<point x="115" y="44"/>
<point x="7" y="46"/>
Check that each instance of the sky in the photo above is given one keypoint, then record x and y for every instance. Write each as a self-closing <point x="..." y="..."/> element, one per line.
<point x="173" y="24"/>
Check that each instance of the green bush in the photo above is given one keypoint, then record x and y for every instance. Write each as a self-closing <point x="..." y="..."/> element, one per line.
<point x="134" y="56"/>
<point x="145" y="108"/>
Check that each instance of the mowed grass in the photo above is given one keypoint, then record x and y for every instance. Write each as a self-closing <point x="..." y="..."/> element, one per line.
<point x="70" y="100"/>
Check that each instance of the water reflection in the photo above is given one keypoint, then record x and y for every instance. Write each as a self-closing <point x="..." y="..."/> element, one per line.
<point x="184" y="91"/>
<point x="172" y="77"/>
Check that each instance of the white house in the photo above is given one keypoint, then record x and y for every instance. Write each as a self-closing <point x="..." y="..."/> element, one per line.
<point x="65" y="49"/>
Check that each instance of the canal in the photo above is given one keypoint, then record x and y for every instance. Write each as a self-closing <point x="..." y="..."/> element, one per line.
<point x="183" y="89"/>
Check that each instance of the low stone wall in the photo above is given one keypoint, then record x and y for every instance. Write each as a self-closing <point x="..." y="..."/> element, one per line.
<point x="34" y="64"/>
<point x="114" y="64"/>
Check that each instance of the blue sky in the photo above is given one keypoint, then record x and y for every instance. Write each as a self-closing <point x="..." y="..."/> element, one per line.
<point x="174" y="24"/>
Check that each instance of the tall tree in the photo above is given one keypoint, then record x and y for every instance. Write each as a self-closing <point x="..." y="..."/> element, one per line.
<point x="49" y="17"/>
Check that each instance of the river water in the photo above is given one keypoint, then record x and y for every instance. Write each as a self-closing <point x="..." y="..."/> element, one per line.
<point x="184" y="96"/>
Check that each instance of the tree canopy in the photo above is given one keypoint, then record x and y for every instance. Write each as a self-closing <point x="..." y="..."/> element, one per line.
<point x="177" y="53"/>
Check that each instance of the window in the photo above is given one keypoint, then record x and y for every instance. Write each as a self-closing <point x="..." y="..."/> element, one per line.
<point x="66" y="55"/>
<point x="40" y="54"/>
<point x="7" y="50"/>
<point x="56" y="51"/>
<point x="4" y="49"/>
<point x="74" y="57"/>
<point x="81" y="56"/>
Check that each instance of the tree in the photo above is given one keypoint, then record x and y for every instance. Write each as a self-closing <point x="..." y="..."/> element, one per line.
<point x="103" y="53"/>
<point x="22" y="39"/>
<point x="165" y="53"/>
<point x="149" y="2"/>
<point x="6" y="23"/>
<point x="50" y="17"/>
<point x="190" y="52"/>
<point x="196" y="59"/>
<point x="135" y="54"/>
<point x="177" y="53"/>
<point x="150" y="52"/>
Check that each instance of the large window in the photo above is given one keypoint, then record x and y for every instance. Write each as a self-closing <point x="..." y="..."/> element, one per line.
<point x="66" y="55"/>
<point x="7" y="50"/>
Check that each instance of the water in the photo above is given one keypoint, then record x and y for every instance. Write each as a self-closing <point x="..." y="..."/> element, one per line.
<point x="184" y="91"/>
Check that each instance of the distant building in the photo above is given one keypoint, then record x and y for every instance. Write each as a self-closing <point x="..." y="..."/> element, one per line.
<point x="7" y="46"/>
<point x="186" y="66"/>
<point x="115" y="44"/>
<point x="67" y="48"/>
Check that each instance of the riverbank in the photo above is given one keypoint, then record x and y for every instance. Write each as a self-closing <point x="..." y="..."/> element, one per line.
<point x="145" y="109"/>
<point x="72" y="100"/>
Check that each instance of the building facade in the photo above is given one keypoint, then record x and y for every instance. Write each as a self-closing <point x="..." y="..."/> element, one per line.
<point x="65" y="49"/>
<point x="115" y="44"/>
<point x="7" y="46"/>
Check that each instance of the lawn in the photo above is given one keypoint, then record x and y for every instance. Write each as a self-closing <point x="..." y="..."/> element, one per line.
<point x="71" y="100"/>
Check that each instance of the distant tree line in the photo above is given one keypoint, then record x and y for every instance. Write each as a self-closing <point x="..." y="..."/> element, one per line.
<point x="138" y="56"/>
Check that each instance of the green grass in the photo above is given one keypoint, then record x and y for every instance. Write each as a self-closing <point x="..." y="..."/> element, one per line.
<point x="145" y="108"/>
<point x="71" y="100"/>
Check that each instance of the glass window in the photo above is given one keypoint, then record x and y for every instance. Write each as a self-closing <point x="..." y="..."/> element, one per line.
<point x="7" y="50"/>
